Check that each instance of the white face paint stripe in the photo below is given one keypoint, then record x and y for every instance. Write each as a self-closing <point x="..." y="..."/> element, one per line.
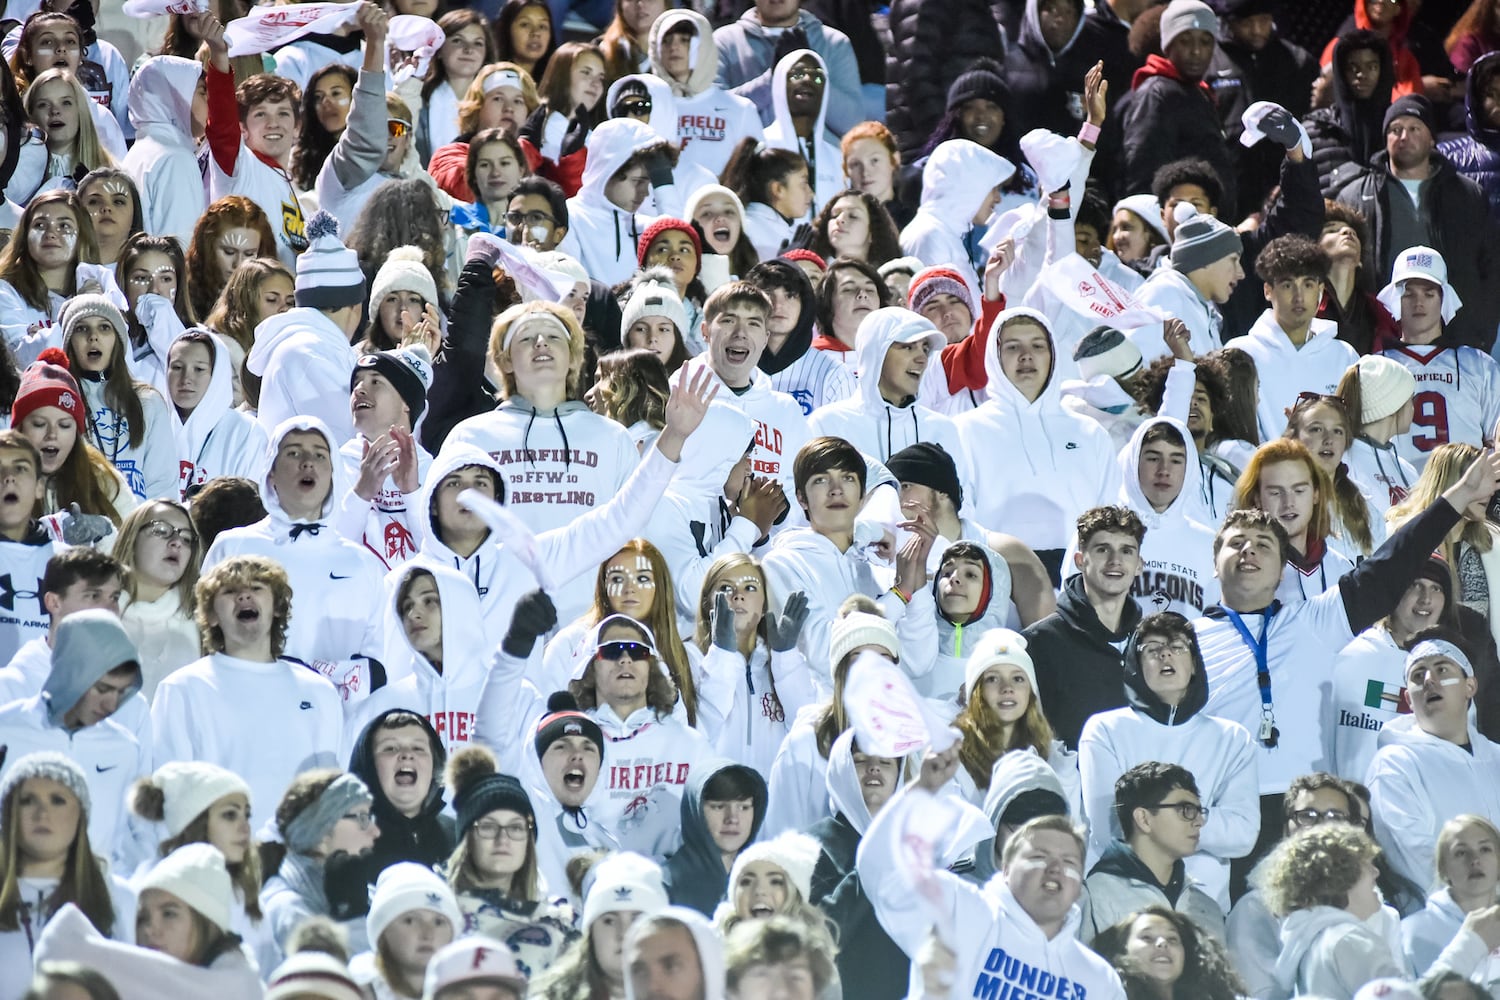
<point x="1450" y="681"/>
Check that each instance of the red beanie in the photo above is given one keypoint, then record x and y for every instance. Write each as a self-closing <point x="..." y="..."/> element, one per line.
<point x="802" y="253"/>
<point x="47" y="382"/>
<point x="662" y="225"/>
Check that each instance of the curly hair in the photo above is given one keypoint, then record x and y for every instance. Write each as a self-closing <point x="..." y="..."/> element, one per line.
<point x="1316" y="866"/>
<point x="1150" y="387"/>
<point x="1114" y="518"/>
<point x="1291" y="256"/>
<point x="774" y="940"/>
<point x="630" y="386"/>
<point x="1191" y="170"/>
<point x="266" y="88"/>
<point x="314" y="142"/>
<point x="884" y="240"/>
<point x="661" y="693"/>
<point x="1346" y="500"/>
<point x="400" y="213"/>
<point x="240" y="572"/>
<point x="205" y="275"/>
<point x="1207" y="973"/>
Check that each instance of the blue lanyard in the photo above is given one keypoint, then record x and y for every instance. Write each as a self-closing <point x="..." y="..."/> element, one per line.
<point x="1268" y="733"/>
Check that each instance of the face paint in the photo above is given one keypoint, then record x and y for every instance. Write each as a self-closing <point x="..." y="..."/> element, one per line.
<point x="539" y="234"/>
<point x="113" y="185"/>
<point x="749" y="579"/>
<point x="237" y="239"/>
<point x="1450" y="681"/>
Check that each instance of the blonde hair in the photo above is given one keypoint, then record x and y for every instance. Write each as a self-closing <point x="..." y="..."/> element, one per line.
<point x="1445" y="466"/>
<point x="1451" y="831"/>
<point x="519" y="314"/>
<point x="130" y="532"/>
<point x="473" y="100"/>
<point x="87" y="150"/>
<point x="981" y="727"/>
<point x="240" y="572"/>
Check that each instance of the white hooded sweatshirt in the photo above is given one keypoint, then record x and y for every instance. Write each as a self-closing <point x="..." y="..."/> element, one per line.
<point x="304" y="362"/>
<point x="1426" y="933"/>
<point x="709" y="944"/>
<point x="691" y="526"/>
<point x="1329" y="952"/>
<point x="216" y="439"/>
<point x="824" y="157"/>
<point x="1000" y="950"/>
<point x="711" y="121"/>
<point x="164" y="160"/>
<point x="556" y="465"/>
<point x="866" y="419"/>
<point x="747" y="707"/>
<point x="1418" y="782"/>
<point x="1036" y="466"/>
<point x="570" y="552"/>
<point x="334" y="627"/>
<point x="1381" y="474"/>
<point x="957" y="178"/>
<point x="449" y="698"/>
<point x="1286" y="370"/>
<point x="601" y="235"/>
<point x="150" y="468"/>
<point x="1369" y="690"/>
<point x="781" y="428"/>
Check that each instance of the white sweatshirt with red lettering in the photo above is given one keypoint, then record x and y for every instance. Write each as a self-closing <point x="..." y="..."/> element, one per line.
<point x="781" y="428"/>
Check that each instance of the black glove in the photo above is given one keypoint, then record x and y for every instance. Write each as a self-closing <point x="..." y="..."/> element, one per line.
<point x="535" y="126"/>
<point x="659" y="166"/>
<point x="802" y="237"/>
<point x="708" y="247"/>
<point x="534" y="616"/>
<point x="346" y="884"/>
<point x="578" y="131"/>
<point x="82" y="11"/>
<point x="790" y="41"/>
<point x="1280" y="127"/>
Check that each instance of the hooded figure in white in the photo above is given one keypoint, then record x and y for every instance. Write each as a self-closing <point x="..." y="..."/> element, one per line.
<point x="706" y="939"/>
<point x="215" y="439"/>
<point x="332" y="579"/>
<point x="688" y="175"/>
<point x="825" y="160"/>
<point x="1285" y="370"/>
<point x="601" y="234"/>
<point x="1036" y="466"/>
<point x="164" y="160"/>
<point x="956" y="183"/>
<point x="710" y="121"/>
<point x="692" y="525"/>
<point x="447" y="693"/>
<point x="1178" y="549"/>
<point x="956" y="639"/>
<point x="869" y="421"/>
<point x="305" y="356"/>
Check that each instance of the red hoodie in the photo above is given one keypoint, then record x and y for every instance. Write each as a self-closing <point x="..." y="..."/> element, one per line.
<point x="1162" y="66"/>
<point x="1408" y="71"/>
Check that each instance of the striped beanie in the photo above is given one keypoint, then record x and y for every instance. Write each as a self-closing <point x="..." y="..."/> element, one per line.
<point x="328" y="273"/>
<point x="1200" y="240"/>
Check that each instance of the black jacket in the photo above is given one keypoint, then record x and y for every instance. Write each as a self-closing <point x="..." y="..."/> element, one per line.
<point x="426" y="838"/>
<point x="695" y="875"/>
<point x="1079" y="663"/>
<point x="1476" y="154"/>
<point x="871" y="966"/>
<point x="1280" y="72"/>
<point x="1298" y="208"/>
<point x="852" y="17"/>
<point x="1348" y="132"/>
<point x="931" y="44"/>
<point x="1168" y="119"/>
<point x="1459" y="226"/>
<point x="1046" y="88"/>
<point x="459" y="388"/>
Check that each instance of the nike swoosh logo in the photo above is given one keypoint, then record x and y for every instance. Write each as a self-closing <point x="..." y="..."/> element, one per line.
<point x="101" y="770"/>
<point x="335" y="576"/>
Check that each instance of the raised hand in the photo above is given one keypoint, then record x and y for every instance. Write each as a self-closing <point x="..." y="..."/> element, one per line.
<point x="1479" y="482"/>
<point x="405" y="472"/>
<point x="374" y="465"/>
<point x="721" y="624"/>
<point x="761" y="501"/>
<point x="1000" y="259"/>
<point x="911" y="560"/>
<point x="782" y="631"/>
<point x="534" y="616"/>
<point x="686" y="408"/>
<point x="1095" y="93"/>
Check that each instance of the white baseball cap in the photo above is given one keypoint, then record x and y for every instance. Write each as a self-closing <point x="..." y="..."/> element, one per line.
<point x="469" y="960"/>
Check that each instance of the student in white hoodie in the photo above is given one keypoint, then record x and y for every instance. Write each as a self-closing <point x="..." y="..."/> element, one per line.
<point x="435" y="653"/>
<point x="1435" y="766"/>
<point x="303" y="356"/>
<point x="1294" y="351"/>
<point x="331" y="577"/>
<point x="1468" y="866"/>
<point x="960" y="189"/>
<point x="897" y="350"/>
<point x="94" y="670"/>
<point x="673" y="952"/>
<point x="1019" y="926"/>
<point x="1166" y="689"/>
<point x="1458" y="388"/>
<point x="799" y="102"/>
<point x="1380" y="393"/>
<point x="163" y="161"/>
<point x="1060" y="464"/>
<point x="384" y="460"/>
<point x="1198" y="277"/>
<point x="213" y="437"/>
<point x="220" y="709"/>
<point x="558" y="458"/>
<point x="710" y="121"/>
<point x="1284" y="480"/>
<point x="627" y="161"/>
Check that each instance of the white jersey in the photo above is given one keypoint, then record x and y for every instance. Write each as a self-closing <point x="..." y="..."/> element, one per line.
<point x="1458" y="398"/>
<point x="815" y="379"/>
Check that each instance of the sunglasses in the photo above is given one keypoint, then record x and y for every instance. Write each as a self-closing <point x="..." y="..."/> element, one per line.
<point x="397" y="127"/>
<point x="616" y="651"/>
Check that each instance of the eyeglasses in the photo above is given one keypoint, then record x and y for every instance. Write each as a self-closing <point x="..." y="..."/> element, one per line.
<point x="528" y="219"/>
<point x="1312" y="817"/>
<point x="364" y="819"/>
<point x="1309" y="398"/>
<point x="397" y="127"/>
<point x="1189" y="811"/>
<point x="616" y="651"/>
<point x="1156" y="650"/>
<point x="632" y="106"/>
<point x="165" y="532"/>
<point x="489" y="829"/>
<point x="800" y="73"/>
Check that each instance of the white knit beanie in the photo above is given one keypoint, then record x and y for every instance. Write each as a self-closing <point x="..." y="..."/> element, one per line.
<point x="654" y="294"/>
<point x="860" y="628"/>
<point x="404" y="270"/>
<point x="53" y="766"/>
<point x="999" y="647"/>
<point x="197" y="875"/>
<point x="623" y="882"/>
<point x="189" y="787"/>
<point x="1385" y="385"/>
<point x="794" y="853"/>
<point x="404" y="887"/>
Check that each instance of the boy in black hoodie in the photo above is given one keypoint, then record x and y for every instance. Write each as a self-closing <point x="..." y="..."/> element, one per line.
<point x="400" y="758"/>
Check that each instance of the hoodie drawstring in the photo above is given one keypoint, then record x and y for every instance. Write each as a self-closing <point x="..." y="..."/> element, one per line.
<point x="311" y="529"/>
<point x="563" y="431"/>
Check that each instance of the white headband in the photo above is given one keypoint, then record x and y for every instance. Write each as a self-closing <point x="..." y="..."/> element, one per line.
<point x="531" y="319"/>
<point x="502" y="78"/>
